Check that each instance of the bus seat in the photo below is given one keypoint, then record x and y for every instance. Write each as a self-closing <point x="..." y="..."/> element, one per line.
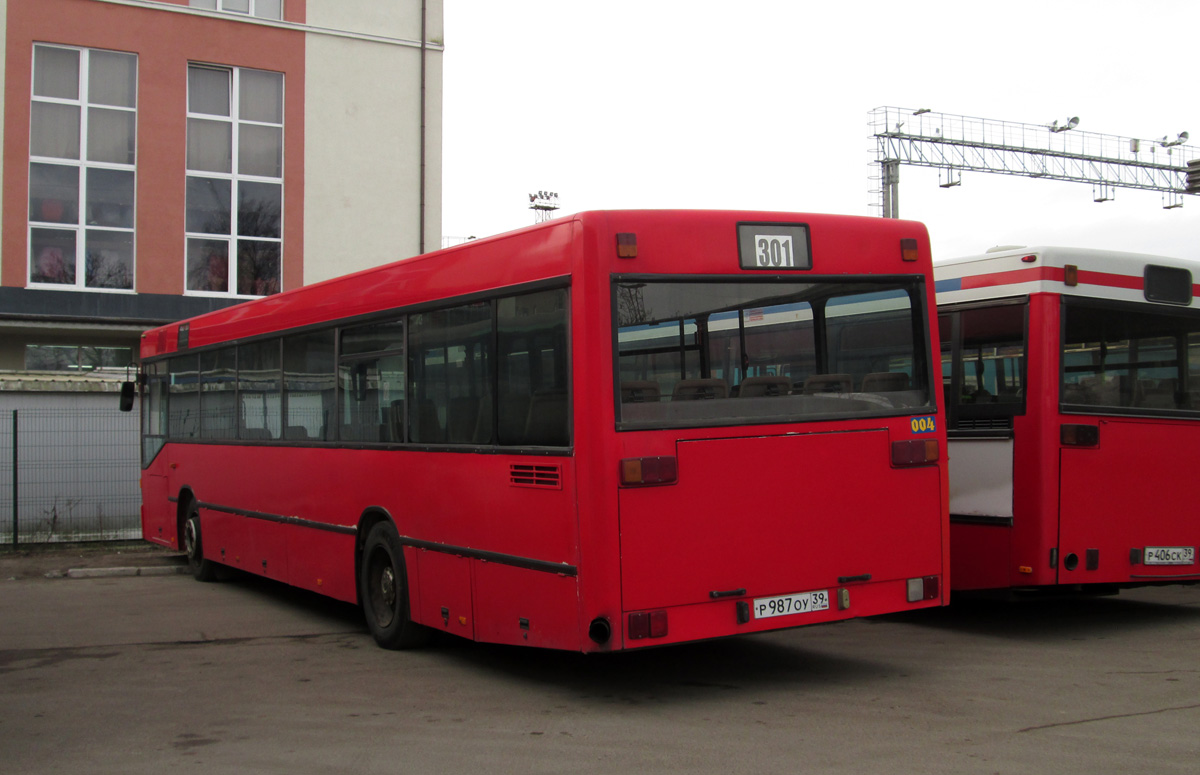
<point x="255" y="434"/>
<point x="483" y="424"/>
<point x="828" y="383"/>
<point x="428" y="427"/>
<point x="885" y="382"/>
<point x="756" y="387"/>
<point x="295" y="433"/>
<point x="1156" y="394"/>
<point x="462" y="419"/>
<point x="396" y="420"/>
<point x="639" y="391"/>
<point x="513" y="418"/>
<point x="547" y="424"/>
<point x="697" y="389"/>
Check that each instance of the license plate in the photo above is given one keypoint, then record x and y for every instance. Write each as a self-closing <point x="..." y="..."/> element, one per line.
<point x="1169" y="555"/>
<point x="783" y="605"/>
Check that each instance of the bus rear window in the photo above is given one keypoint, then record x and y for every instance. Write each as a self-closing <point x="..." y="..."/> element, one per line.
<point x="731" y="352"/>
<point x="1119" y="358"/>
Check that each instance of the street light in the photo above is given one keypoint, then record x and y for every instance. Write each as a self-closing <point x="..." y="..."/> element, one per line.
<point x="1071" y="123"/>
<point x="1180" y="140"/>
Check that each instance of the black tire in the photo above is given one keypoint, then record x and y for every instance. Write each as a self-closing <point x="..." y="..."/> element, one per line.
<point x="193" y="544"/>
<point x="383" y="589"/>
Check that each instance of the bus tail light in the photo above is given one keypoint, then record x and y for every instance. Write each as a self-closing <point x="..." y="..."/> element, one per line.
<point x="925" y="588"/>
<point x="1073" y="435"/>
<point x="914" y="452"/>
<point x="647" y="624"/>
<point x="908" y="249"/>
<point x="638" y="471"/>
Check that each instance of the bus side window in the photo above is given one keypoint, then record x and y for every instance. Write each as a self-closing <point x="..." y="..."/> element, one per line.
<point x="183" y="405"/>
<point x="218" y="399"/>
<point x="309" y="377"/>
<point x="259" y="401"/>
<point x="533" y="391"/>
<point x="450" y="355"/>
<point x="371" y="374"/>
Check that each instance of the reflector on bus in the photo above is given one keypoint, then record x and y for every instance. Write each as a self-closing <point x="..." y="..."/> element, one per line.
<point x="648" y="624"/>
<point x="626" y="245"/>
<point x="1075" y="435"/>
<point x="914" y="452"/>
<point x="648" y="470"/>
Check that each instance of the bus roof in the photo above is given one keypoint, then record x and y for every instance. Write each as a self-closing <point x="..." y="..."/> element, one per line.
<point x="1104" y="274"/>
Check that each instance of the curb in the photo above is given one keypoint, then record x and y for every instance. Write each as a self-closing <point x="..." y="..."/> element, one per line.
<point x="101" y="573"/>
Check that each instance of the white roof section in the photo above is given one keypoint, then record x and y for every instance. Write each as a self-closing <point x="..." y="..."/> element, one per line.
<point x="1008" y="272"/>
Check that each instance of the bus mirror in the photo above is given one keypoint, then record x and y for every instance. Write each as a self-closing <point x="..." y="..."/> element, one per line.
<point x="128" y="391"/>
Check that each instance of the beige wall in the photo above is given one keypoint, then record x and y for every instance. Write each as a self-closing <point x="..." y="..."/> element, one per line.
<point x="362" y="140"/>
<point x="400" y="19"/>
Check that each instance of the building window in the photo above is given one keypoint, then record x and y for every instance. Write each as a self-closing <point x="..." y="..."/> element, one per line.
<point x="264" y="9"/>
<point x="82" y="152"/>
<point x="76" y="358"/>
<point x="234" y="181"/>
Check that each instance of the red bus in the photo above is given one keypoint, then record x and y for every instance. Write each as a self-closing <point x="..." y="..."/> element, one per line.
<point x="611" y="430"/>
<point x="1072" y="381"/>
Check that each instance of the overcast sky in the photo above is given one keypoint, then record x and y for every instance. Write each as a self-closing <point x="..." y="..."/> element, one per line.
<point x="763" y="104"/>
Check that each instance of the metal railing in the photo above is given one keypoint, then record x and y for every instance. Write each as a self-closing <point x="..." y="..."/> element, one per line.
<point x="68" y="475"/>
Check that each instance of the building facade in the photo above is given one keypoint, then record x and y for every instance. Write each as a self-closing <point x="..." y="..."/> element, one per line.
<point x="165" y="158"/>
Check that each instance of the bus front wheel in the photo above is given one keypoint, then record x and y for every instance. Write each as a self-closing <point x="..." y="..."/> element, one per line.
<point x="383" y="588"/>
<point x="202" y="569"/>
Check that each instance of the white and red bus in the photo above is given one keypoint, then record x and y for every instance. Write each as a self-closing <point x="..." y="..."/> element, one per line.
<point x="1072" y="384"/>
<point x="611" y="430"/>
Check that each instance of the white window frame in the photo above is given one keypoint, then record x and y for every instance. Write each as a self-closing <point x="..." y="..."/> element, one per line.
<point x="235" y="178"/>
<point x="220" y="5"/>
<point x="81" y="165"/>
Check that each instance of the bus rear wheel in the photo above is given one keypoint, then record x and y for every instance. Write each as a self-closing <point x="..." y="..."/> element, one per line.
<point x="383" y="588"/>
<point x="193" y="544"/>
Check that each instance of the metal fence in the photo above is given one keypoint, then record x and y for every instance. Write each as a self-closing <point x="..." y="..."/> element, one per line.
<point x="68" y="475"/>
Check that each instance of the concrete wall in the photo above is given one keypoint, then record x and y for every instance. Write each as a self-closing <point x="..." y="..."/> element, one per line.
<point x="362" y="154"/>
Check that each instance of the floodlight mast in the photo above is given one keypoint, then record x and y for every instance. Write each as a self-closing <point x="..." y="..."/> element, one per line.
<point x="543" y="204"/>
<point x="1055" y="151"/>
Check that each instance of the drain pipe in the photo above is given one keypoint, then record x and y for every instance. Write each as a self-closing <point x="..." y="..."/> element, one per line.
<point x="424" y="37"/>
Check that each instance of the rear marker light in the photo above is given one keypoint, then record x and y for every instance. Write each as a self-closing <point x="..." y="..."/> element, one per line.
<point x="914" y="452"/>
<point x="639" y="471"/>
<point x="908" y="250"/>
<point x="626" y="245"/>
<point x="1070" y="275"/>
<point x="925" y="588"/>
<point x="1028" y="259"/>
<point x="1080" y="435"/>
<point x="647" y="624"/>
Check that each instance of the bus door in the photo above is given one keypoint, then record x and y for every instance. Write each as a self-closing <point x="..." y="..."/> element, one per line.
<point x="1128" y="451"/>
<point x="983" y="377"/>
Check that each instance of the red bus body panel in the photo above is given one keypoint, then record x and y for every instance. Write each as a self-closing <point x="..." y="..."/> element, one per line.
<point x="491" y="557"/>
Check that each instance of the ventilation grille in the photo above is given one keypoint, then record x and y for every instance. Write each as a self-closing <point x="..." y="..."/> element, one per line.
<point x="535" y="476"/>
<point x="983" y="423"/>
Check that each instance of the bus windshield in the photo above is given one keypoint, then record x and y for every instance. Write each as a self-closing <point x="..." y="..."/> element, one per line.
<point x="726" y="352"/>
